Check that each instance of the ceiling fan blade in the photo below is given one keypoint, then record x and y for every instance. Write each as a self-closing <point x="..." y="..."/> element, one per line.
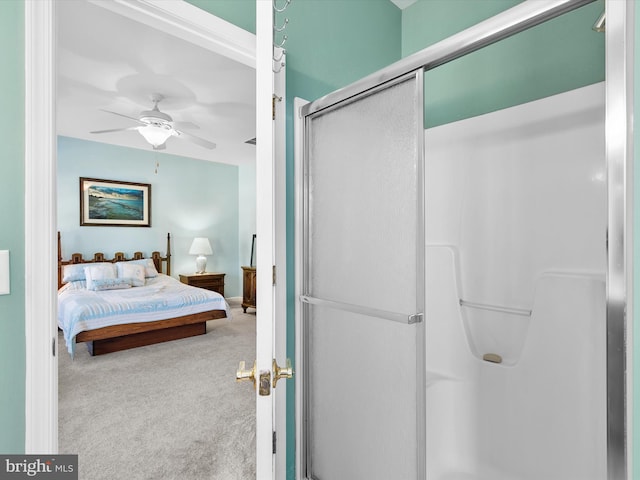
<point x="197" y="140"/>
<point x="114" y="130"/>
<point x="189" y="125"/>
<point x="125" y="116"/>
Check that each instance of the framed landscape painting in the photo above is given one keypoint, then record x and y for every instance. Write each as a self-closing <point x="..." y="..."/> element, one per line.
<point x="114" y="203"/>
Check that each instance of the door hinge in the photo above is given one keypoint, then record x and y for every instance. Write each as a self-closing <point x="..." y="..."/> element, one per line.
<point x="274" y="99"/>
<point x="273" y="275"/>
<point x="53" y="346"/>
<point x="274" y="442"/>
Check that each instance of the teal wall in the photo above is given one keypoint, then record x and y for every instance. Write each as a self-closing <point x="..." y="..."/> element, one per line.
<point x="189" y="198"/>
<point x="332" y="44"/>
<point x="241" y="13"/>
<point x="429" y="21"/>
<point x="557" y="56"/>
<point x="12" y="313"/>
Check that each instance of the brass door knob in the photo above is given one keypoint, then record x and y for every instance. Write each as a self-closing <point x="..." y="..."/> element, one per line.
<point x="279" y="373"/>
<point x="243" y="374"/>
<point x="263" y="379"/>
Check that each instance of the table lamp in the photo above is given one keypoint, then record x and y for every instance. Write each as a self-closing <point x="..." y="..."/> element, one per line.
<point x="201" y="247"/>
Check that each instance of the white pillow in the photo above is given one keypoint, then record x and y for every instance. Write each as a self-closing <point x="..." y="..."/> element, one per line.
<point x="149" y="266"/>
<point x="99" y="272"/>
<point x="75" y="271"/>
<point x="132" y="272"/>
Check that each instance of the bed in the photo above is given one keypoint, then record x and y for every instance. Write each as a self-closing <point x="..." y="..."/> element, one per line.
<point x="96" y="306"/>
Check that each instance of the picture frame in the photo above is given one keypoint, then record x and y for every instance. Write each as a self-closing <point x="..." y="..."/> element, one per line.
<point x="114" y="203"/>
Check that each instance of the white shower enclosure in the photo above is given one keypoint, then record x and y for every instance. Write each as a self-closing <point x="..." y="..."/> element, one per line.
<point x="516" y="297"/>
<point x="458" y="307"/>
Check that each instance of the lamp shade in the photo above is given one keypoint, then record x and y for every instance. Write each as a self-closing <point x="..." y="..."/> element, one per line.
<point x="200" y="246"/>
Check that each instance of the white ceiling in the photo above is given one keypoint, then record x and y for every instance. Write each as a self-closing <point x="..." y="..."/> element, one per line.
<point x="107" y="61"/>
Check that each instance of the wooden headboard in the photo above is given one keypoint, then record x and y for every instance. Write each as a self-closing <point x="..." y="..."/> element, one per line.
<point x="158" y="260"/>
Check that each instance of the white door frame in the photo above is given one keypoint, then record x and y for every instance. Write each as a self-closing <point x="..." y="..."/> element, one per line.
<point x="41" y="389"/>
<point x="176" y="17"/>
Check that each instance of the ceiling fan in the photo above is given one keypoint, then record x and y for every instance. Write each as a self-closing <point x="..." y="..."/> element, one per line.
<point x="156" y="127"/>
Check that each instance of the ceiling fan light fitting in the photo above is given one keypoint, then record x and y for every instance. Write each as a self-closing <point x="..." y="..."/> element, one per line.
<point x="155" y="135"/>
<point x="156" y="127"/>
<point x="155" y="116"/>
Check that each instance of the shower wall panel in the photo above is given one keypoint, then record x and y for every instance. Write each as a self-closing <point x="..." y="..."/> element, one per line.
<point x="520" y="192"/>
<point x="516" y="225"/>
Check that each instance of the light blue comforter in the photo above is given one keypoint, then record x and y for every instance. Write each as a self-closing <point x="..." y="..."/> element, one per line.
<point x="161" y="297"/>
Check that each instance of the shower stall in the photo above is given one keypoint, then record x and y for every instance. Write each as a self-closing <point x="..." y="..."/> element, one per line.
<point x="461" y="279"/>
<point x="516" y="262"/>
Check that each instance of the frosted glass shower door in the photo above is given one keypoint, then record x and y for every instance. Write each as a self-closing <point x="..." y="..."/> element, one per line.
<point x="362" y="293"/>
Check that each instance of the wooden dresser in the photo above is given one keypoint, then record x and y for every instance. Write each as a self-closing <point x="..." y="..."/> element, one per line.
<point x="248" y="288"/>
<point x="210" y="281"/>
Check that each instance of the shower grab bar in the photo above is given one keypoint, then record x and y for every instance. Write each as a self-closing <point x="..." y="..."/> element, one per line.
<point x="496" y="308"/>
<point x="371" y="312"/>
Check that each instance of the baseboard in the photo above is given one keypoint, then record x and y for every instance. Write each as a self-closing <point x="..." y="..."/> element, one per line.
<point x="234" y="301"/>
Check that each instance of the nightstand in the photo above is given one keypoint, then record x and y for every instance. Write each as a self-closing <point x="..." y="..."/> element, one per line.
<point x="248" y="288"/>
<point x="210" y="281"/>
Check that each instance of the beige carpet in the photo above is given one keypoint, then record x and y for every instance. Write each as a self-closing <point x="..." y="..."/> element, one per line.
<point x="166" y="411"/>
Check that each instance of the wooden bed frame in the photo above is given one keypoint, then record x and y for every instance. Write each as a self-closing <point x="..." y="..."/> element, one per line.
<point x="122" y="337"/>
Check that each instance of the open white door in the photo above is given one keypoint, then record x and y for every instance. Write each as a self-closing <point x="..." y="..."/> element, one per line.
<point x="271" y="253"/>
<point x="280" y="251"/>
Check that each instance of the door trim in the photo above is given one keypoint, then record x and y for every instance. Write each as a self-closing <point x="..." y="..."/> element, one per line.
<point x="181" y="19"/>
<point x="265" y="297"/>
<point x="298" y="155"/>
<point x="41" y="376"/>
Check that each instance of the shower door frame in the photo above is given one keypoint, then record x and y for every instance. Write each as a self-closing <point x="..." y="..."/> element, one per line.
<point x="415" y="317"/>
<point x="619" y="160"/>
